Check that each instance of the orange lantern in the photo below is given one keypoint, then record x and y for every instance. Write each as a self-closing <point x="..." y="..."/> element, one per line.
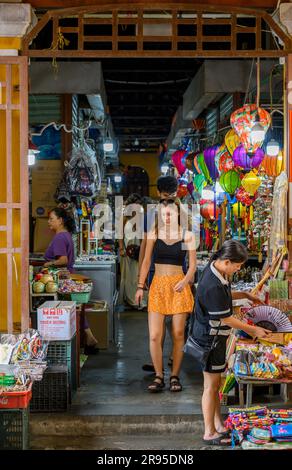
<point x="273" y="166"/>
<point x="208" y="212"/>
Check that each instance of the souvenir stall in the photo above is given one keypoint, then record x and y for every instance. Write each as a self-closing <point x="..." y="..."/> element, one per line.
<point x="233" y="182"/>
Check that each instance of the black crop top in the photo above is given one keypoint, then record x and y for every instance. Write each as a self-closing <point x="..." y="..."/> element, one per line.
<point x="169" y="254"/>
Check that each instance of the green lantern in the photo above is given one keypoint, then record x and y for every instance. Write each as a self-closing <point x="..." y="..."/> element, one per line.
<point x="199" y="183"/>
<point x="230" y="181"/>
<point x="203" y="167"/>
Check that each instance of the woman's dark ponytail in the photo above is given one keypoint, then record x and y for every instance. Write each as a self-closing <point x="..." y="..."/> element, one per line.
<point x="231" y="250"/>
<point x="68" y="221"/>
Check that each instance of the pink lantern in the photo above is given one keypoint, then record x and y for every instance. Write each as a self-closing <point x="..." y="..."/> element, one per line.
<point x="247" y="162"/>
<point x="177" y="159"/>
<point x="243" y="120"/>
<point x="244" y="197"/>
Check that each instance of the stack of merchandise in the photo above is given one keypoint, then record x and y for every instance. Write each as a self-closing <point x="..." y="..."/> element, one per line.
<point x="68" y="286"/>
<point x="260" y="228"/>
<point x="260" y="428"/>
<point x="263" y="362"/>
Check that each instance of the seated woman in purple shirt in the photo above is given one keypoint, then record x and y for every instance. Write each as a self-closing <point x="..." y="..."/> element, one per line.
<point x="60" y="252"/>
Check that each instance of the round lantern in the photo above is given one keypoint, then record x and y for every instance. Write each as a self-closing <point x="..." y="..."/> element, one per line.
<point x="251" y="182"/>
<point x="220" y="151"/>
<point x="177" y="158"/>
<point x="203" y="166"/>
<point x="226" y="163"/>
<point x="182" y="191"/>
<point x="244" y="197"/>
<point x="209" y="157"/>
<point x="208" y="211"/>
<point x="273" y="165"/>
<point x="232" y="141"/>
<point x="244" y="119"/>
<point x="245" y="161"/>
<point x="230" y="181"/>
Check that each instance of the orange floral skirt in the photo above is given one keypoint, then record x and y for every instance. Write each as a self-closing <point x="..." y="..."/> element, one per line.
<point x="165" y="300"/>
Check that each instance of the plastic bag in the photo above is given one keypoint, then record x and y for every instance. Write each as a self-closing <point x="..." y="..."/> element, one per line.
<point x="82" y="176"/>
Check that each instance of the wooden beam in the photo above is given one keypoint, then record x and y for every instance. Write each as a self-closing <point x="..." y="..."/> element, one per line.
<point x="157" y="54"/>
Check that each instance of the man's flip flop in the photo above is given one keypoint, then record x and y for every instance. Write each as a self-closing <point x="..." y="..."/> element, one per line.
<point x="218" y="441"/>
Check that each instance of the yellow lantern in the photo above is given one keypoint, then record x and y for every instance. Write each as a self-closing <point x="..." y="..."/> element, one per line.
<point x="251" y="182"/>
<point x="232" y="141"/>
<point x="239" y="210"/>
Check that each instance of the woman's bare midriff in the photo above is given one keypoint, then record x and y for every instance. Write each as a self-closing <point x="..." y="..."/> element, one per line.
<point x="167" y="270"/>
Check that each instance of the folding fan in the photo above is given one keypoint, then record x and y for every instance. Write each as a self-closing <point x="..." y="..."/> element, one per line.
<point x="270" y="318"/>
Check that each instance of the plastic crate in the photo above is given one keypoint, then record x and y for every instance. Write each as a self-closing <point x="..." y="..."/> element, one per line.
<point x="51" y="394"/>
<point x="64" y="352"/>
<point x="9" y="400"/>
<point x="81" y="297"/>
<point x="14" y="429"/>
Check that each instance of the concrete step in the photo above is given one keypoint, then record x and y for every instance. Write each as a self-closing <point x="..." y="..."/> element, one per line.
<point x="171" y="441"/>
<point x="70" y="425"/>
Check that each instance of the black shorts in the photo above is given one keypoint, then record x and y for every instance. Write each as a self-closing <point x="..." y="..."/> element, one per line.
<point x="216" y="363"/>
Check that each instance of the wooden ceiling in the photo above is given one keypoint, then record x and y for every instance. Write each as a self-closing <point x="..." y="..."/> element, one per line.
<point x="265" y="4"/>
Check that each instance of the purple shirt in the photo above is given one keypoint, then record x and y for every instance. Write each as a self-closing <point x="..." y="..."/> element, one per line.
<point x="61" y="245"/>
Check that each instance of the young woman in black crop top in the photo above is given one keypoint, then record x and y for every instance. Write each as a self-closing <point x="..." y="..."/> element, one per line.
<point x="170" y="292"/>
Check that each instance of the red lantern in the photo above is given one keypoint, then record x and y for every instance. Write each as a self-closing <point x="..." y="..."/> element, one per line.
<point x="207" y="211"/>
<point x="244" y="197"/>
<point x="225" y="163"/>
<point x="182" y="191"/>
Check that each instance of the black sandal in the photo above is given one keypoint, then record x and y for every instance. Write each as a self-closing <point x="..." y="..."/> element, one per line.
<point x="218" y="441"/>
<point x="174" y="384"/>
<point x="155" y="386"/>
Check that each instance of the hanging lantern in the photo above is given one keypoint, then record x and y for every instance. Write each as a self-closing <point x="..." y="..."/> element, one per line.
<point x="230" y="181"/>
<point x="226" y="163"/>
<point x="203" y="167"/>
<point x="232" y="141"/>
<point x="244" y="197"/>
<point x="244" y="121"/>
<point x="209" y="157"/>
<point x="251" y="182"/>
<point x="208" y="211"/>
<point x="243" y="160"/>
<point x="220" y="151"/>
<point x="182" y="191"/>
<point x="199" y="183"/>
<point x="177" y="158"/>
<point x="239" y="210"/>
<point x="273" y="166"/>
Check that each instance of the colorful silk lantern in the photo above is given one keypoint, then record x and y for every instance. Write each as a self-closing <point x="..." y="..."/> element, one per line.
<point x="177" y="158"/>
<point x="244" y="197"/>
<point x="239" y="210"/>
<point x="230" y="181"/>
<point x="203" y="167"/>
<point x="251" y="182"/>
<point x="182" y="191"/>
<point x="247" y="162"/>
<point x="226" y="163"/>
<point x="220" y="151"/>
<point x="209" y="157"/>
<point x="199" y="182"/>
<point x="231" y="141"/>
<point x="244" y="119"/>
<point x="273" y="166"/>
<point x="208" y="211"/>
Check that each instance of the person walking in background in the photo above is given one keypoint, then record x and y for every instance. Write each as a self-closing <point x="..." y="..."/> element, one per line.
<point x="170" y="292"/>
<point x="166" y="189"/>
<point x="129" y="248"/>
<point x="212" y="325"/>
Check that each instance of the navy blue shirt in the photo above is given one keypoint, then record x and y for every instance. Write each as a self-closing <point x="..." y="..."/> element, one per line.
<point x="213" y="303"/>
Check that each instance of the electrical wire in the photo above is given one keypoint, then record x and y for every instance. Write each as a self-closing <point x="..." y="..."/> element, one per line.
<point x="58" y="127"/>
<point x="166" y="82"/>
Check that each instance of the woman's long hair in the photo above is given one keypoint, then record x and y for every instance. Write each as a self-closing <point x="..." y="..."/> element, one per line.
<point x="181" y="214"/>
<point x="231" y="250"/>
<point x="68" y="220"/>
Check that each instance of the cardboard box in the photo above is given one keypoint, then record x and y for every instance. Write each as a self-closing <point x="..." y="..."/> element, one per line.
<point x="42" y="236"/>
<point x="57" y="320"/>
<point x="46" y="175"/>
<point x="98" y="318"/>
